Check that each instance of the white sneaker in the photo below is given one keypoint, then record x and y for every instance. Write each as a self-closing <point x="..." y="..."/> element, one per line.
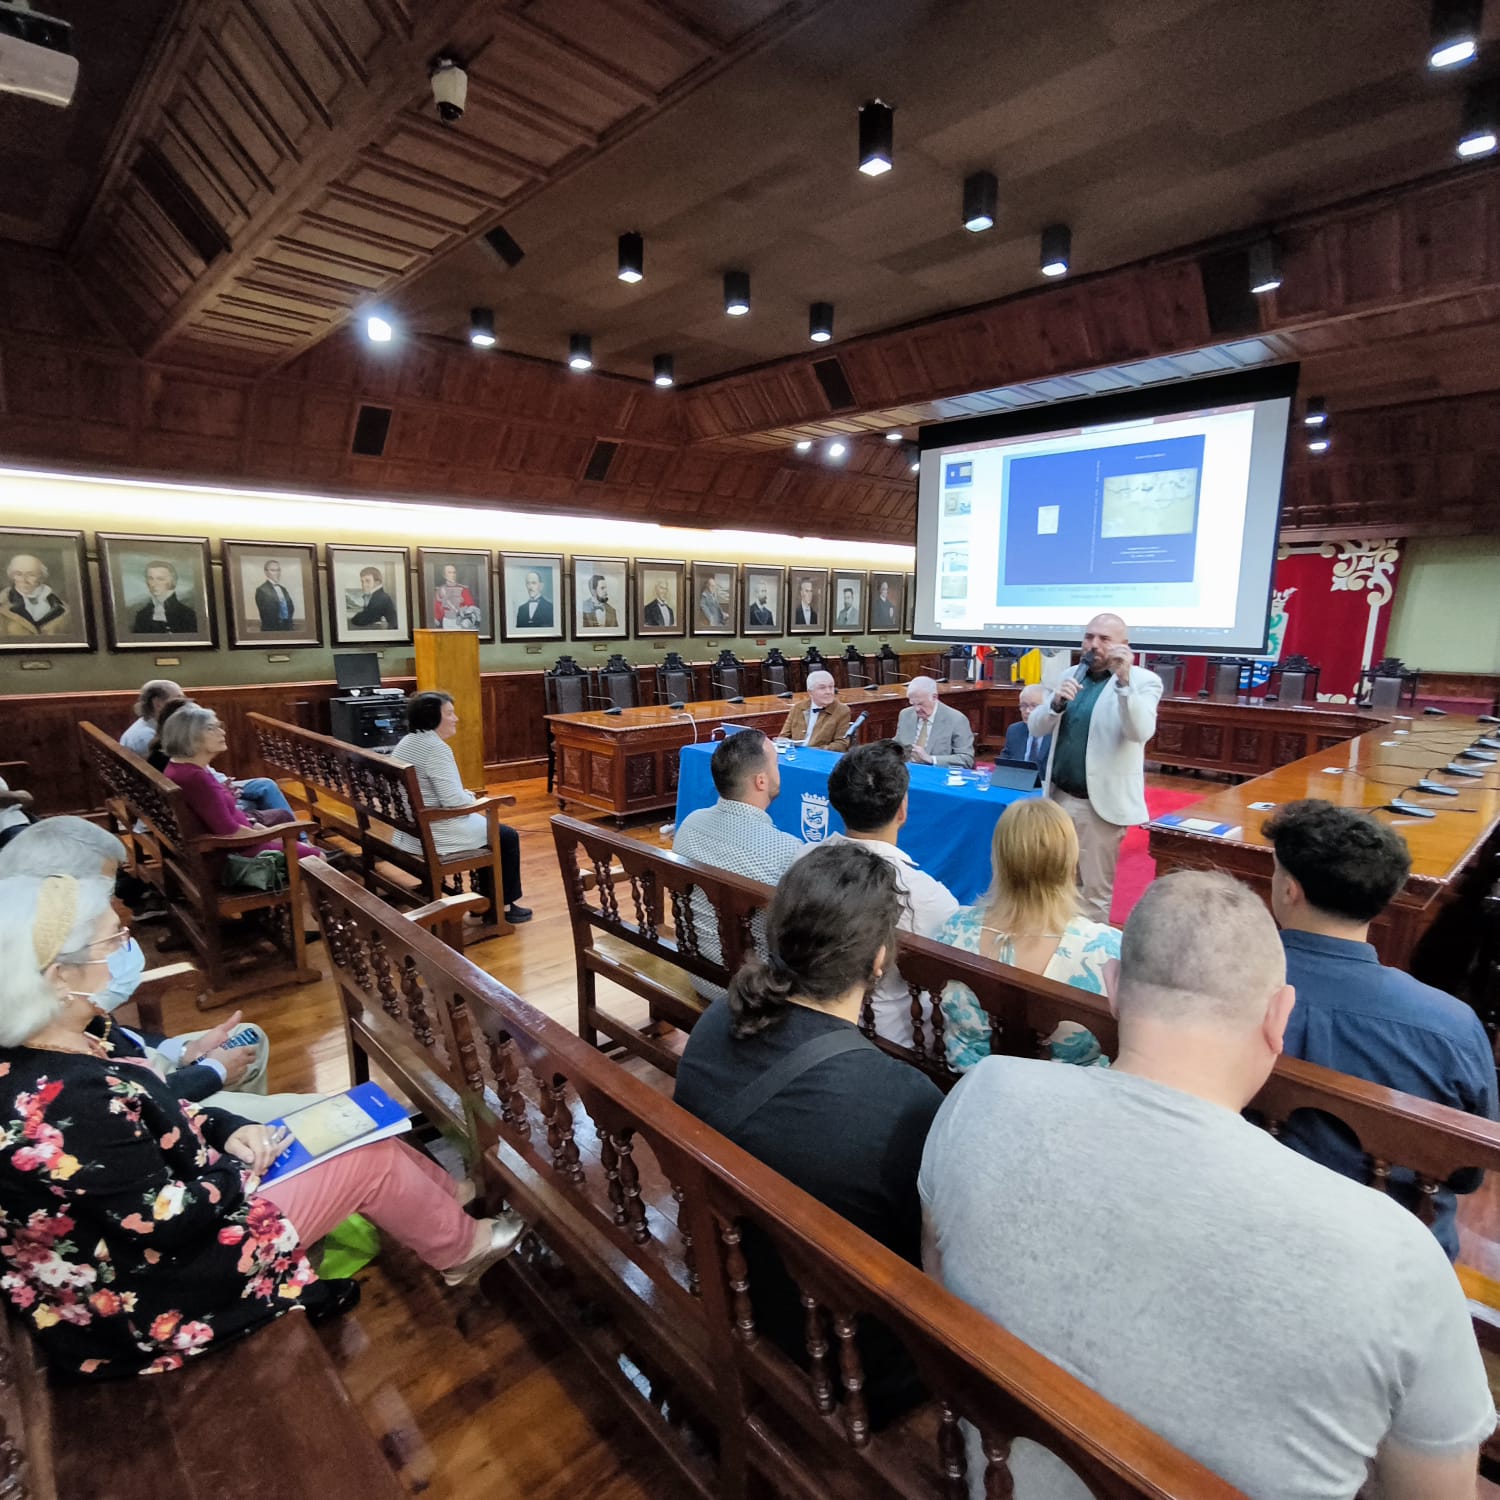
<point x="505" y="1235"/>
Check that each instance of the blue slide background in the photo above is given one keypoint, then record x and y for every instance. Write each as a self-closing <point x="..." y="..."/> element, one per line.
<point x="1076" y="553"/>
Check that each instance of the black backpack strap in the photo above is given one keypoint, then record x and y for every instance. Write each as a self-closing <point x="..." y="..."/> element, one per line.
<point x="790" y="1068"/>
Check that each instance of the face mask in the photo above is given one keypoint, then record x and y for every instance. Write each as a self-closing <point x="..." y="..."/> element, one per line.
<point x="126" y="965"/>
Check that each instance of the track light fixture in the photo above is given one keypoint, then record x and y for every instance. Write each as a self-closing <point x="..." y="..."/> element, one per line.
<point x="820" y="322"/>
<point x="1481" y="121"/>
<point x="482" y="327"/>
<point x="378" y="329"/>
<point x="662" y="370"/>
<point x="632" y="257"/>
<point x="1057" y="250"/>
<point x="837" y="449"/>
<point x="913" y="458"/>
<point x="893" y="436"/>
<point x="1315" y="414"/>
<point x="877" y="136"/>
<point x="804" y="445"/>
<point x="981" y="198"/>
<point x="1265" y="265"/>
<point x="1318" y="439"/>
<point x="580" y="352"/>
<point x="1455" y="32"/>
<point x="736" y="293"/>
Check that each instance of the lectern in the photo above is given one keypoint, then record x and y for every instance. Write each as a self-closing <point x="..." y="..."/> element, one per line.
<point x="448" y="662"/>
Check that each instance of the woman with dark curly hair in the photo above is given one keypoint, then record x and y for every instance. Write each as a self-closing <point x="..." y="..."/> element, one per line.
<point x="781" y="1068"/>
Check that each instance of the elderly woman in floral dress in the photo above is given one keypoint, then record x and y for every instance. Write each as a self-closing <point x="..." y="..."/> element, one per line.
<point x="134" y="1231"/>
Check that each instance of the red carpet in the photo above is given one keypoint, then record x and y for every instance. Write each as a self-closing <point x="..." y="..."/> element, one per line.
<point x="1137" y="869"/>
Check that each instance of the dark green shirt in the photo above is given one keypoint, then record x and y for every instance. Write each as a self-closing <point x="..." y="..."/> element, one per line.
<point x="1069" y="759"/>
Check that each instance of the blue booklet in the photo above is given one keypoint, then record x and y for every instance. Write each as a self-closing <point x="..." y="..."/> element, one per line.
<point x="335" y="1125"/>
<point x="1197" y="825"/>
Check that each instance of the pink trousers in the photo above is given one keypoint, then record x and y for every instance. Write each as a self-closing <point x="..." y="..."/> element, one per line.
<point x="398" y="1189"/>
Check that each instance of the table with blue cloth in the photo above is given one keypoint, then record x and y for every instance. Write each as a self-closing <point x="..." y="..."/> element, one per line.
<point x="947" y="829"/>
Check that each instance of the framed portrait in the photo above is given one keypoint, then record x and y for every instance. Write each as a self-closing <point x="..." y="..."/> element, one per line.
<point x="806" y="601"/>
<point x="531" y="596"/>
<point x="271" y="594"/>
<point x="659" y="609"/>
<point x="369" y="595"/>
<point x="715" y="593"/>
<point x="158" y="592"/>
<point x="762" y="589"/>
<point x="887" y="603"/>
<point x="455" y="590"/>
<point x="601" y="598"/>
<point x="848" y="603"/>
<point x="45" y="601"/>
<point x="911" y="603"/>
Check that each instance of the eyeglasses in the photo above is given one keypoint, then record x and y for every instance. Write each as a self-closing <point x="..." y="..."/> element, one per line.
<point x="110" y="944"/>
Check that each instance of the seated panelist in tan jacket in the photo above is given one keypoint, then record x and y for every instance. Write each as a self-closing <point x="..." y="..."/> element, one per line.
<point x="822" y="723"/>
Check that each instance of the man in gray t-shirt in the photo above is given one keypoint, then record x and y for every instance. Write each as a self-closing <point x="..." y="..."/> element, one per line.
<point x="1289" y="1328"/>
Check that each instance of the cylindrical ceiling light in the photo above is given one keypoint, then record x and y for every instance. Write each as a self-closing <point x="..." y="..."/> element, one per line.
<point x="1057" y="250"/>
<point x="1481" y="121"/>
<point x="1454" y="37"/>
<point x="981" y="201"/>
<point x="1265" y="265"/>
<point x="1318" y="439"/>
<point x="378" y="329"/>
<point x="877" y="136"/>
<point x="482" y="327"/>
<point x="837" y="449"/>
<point x="913" y="457"/>
<point x="804" y="445"/>
<point x="632" y="257"/>
<point x="580" y="352"/>
<point x="1315" y="413"/>
<point x="662" y="370"/>
<point x="820" y="322"/>
<point x="736" y="293"/>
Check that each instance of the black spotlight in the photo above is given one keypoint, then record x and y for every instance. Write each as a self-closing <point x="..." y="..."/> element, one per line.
<point x="1318" y="439"/>
<point x="1057" y="250"/>
<point x="1265" y="265"/>
<point x="820" y="322"/>
<point x="632" y="257"/>
<point x="981" y="197"/>
<point x="662" y="366"/>
<point x="1315" y="413"/>
<point x="1481" y="121"/>
<point x="877" y="137"/>
<point x="736" y="293"/>
<point x="1455" y="32"/>
<point x="580" y="352"/>
<point x="482" y="327"/>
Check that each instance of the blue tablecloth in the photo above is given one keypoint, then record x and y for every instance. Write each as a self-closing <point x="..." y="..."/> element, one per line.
<point x="947" y="828"/>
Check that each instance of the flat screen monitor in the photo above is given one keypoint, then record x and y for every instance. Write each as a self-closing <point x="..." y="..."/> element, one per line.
<point x="1161" y="506"/>
<point x="356" y="669"/>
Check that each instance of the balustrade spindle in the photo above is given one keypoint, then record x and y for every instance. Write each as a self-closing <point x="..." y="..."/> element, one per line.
<point x="918" y="1026"/>
<point x="560" y="1127"/>
<point x="815" y="1336"/>
<point x="508" y="1084"/>
<point x="385" y="980"/>
<point x="1380" y="1175"/>
<point x="689" y="1253"/>
<point x="604" y="884"/>
<point x="738" y="1272"/>
<point x="1427" y="1204"/>
<point x="609" y="1159"/>
<point x="416" y="1004"/>
<point x="852" y="1374"/>
<point x="939" y="1033"/>
<point x="463" y="1036"/>
<point x="630" y="1180"/>
<point x="359" y="962"/>
<point x="952" y="1457"/>
<point x="999" y="1484"/>
<point x="684" y="925"/>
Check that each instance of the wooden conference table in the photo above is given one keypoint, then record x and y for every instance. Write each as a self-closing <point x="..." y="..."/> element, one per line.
<point x="626" y="763"/>
<point x="1432" y="926"/>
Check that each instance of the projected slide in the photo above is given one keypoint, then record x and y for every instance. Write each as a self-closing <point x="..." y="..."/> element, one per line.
<point x="1121" y="513"/>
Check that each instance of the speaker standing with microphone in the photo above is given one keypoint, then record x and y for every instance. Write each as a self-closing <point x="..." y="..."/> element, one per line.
<point x="1101" y="714"/>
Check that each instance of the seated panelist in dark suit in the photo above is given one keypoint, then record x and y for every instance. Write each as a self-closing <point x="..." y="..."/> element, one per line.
<point x="1020" y="743"/>
<point x="535" y="611"/>
<point x="273" y="601"/>
<point x="164" y="613"/>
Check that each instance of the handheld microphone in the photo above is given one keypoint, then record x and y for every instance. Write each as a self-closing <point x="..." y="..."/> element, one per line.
<point x="1425" y="785"/>
<point x="614" y="708"/>
<point x="1411" y="809"/>
<point x="854" y="727"/>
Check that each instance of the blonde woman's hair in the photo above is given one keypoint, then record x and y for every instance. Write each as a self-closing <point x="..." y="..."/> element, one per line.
<point x="1034" y="855"/>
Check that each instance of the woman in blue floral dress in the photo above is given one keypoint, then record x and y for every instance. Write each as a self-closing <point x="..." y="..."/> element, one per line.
<point x="1029" y="919"/>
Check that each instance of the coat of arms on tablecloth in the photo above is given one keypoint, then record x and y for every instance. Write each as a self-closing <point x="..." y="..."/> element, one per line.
<point x="814" y="818"/>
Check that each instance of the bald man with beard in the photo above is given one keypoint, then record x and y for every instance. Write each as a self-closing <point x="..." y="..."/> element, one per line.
<point x="1100" y="717"/>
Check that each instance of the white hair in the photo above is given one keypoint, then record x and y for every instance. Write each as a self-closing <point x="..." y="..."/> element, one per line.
<point x="61" y="846"/>
<point x="153" y="694"/>
<point x="27" y="1001"/>
<point x="182" y="734"/>
<point x="40" y="570"/>
<point x="1033" y="690"/>
<point x="817" y="679"/>
<point x="920" y="685"/>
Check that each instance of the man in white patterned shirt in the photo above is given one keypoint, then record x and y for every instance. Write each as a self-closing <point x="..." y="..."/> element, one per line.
<point x="736" y="834"/>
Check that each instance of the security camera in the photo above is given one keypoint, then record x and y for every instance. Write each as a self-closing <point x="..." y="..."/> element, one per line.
<point x="450" y="88"/>
<point x="36" y="55"/>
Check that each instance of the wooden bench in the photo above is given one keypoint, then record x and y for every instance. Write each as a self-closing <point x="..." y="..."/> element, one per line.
<point x="367" y="798"/>
<point x="187" y="866"/>
<point x="639" y="1212"/>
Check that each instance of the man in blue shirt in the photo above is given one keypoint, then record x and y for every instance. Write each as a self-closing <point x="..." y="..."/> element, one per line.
<point x="1336" y="870"/>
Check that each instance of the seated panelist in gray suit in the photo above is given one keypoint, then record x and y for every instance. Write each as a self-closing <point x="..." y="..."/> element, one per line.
<point x="930" y="732"/>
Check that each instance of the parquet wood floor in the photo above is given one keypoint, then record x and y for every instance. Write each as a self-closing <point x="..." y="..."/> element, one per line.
<point x="471" y="1393"/>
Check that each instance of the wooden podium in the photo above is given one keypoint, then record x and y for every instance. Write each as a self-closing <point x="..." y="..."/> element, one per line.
<point x="448" y="662"/>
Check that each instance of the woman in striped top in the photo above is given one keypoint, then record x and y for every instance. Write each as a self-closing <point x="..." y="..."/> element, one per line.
<point x="431" y="721"/>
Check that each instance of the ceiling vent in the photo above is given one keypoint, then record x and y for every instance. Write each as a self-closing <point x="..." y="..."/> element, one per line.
<point x="599" y="461"/>
<point x="835" y="385"/>
<point x="179" y="203"/>
<point x="505" y="247"/>
<point x="1233" y="309"/>
<point x="371" y="427"/>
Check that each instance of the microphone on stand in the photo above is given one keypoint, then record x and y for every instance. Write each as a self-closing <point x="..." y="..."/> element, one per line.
<point x="1489" y="718"/>
<point x="614" y="708"/>
<point x="1411" y="809"/>
<point x="854" y="727"/>
<point x="875" y="687"/>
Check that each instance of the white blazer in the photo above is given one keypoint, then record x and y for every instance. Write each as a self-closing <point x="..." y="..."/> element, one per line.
<point x="1124" y="718"/>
